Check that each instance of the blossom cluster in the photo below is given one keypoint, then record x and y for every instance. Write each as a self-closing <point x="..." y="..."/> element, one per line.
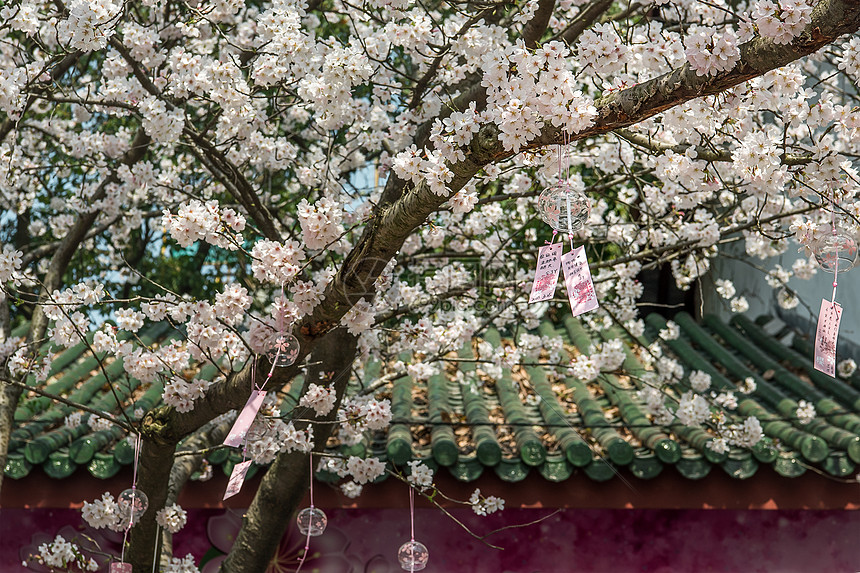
<point x="103" y="513"/>
<point x="61" y="553"/>
<point x="319" y="398"/>
<point x="710" y="53"/>
<point x="362" y="413"/>
<point x="485" y="505"/>
<point x="420" y="475"/>
<point x="196" y="221"/>
<point x="171" y="518"/>
<point x="781" y="21"/>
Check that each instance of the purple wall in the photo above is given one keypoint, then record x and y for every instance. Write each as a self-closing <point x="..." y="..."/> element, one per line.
<point x="589" y="540"/>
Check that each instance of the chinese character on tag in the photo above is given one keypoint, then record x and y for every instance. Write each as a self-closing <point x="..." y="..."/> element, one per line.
<point x="546" y="273"/>
<point x="577" y="281"/>
<point x="237" y="478"/>
<point x="825" y="337"/>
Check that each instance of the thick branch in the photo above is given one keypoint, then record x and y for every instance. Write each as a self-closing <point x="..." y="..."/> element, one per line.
<point x="830" y="19"/>
<point x="183" y="467"/>
<point x="386" y="232"/>
<point x="583" y="21"/>
<point x="535" y="28"/>
<point x="395" y="221"/>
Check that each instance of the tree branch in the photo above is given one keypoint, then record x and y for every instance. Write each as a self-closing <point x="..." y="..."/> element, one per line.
<point x="830" y="20"/>
<point x="535" y="28"/>
<point x="583" y="21"/>
<point x="702" y="153"/>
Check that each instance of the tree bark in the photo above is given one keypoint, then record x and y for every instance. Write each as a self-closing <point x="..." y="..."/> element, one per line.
<point x="153" y="480"/>
<point x="284" y="486"/>
<point x="210" y="435"/>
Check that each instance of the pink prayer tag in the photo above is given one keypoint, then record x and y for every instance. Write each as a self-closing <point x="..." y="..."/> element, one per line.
<point x="237" y="478"/>
<point x="825" y="337"/>
<point x="546" y="274"/>
<point x="117" y="567"/>
<point x="245" y="419"/>
<point x="577" y="281"/>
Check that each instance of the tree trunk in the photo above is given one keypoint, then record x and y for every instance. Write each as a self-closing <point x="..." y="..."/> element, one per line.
<point x="284" y="486"/>
<point x="210" y="435"/>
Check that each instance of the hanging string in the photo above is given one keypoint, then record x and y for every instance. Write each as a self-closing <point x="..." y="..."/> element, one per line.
<point x="569" y="222"/>
<point x="155" y="549"/>
<point x="281" y="312"/>
<point x="310" y="528"/>
<point x="271" y="370"/>
<point x="411" y="514"/>
<point x="833" y="229"/>
<point x="136" y="459"/>
<point x="131" y="505"/>
<point x="560" y="165"/>
<point x="565" y="137"/>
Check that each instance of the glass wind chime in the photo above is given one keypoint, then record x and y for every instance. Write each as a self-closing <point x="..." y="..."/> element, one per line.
<point x="566" y="209"/>
<point x="132" y="504"/>
<point x="412" y="555"/>
<point x="311" y="521"/>
<point x="836" y="251"/>
<point x="283" y="352"/>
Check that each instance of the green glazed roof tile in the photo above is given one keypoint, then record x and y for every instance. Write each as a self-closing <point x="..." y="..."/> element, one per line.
<point x="534" y="415"/>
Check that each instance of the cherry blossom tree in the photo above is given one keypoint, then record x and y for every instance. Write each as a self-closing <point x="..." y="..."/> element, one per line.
<point x="344" y="169"/>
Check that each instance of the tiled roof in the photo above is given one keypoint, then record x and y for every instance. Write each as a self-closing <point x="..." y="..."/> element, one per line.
<point x="527" y="420"/>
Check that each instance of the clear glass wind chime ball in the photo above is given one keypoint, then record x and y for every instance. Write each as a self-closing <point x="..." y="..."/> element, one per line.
<point x="284" y="351"/>
<point x="563" y="207"/>
<point x="838" y="249"/>
<point x="132" y="502"/>
<point x="311" y="521"/>
<point x="413" y="556"/>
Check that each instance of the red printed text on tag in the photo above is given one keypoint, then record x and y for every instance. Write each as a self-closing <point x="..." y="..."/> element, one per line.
<point x="546" y="273"/>
<point x="826" y="335"/>
<point x="577" y="280"/>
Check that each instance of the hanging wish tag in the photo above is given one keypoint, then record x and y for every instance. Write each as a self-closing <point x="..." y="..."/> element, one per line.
<point x="117" y="567"/>
<point x="825" y="337"/>
<point x="577" y="281"/>
<point x="245" y="419"/>
<point x="546" y="273"/>
<point x="237" y="478"/>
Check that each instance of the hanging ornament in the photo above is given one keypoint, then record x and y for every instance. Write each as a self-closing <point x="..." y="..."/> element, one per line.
<point x="284" y="351"/>
<point x="564" y="207"/>
<point x="132" y="505"/>
<point x="311" y="521"/>
<point x="413" y="556"/>
<point x="835" y="248"/>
